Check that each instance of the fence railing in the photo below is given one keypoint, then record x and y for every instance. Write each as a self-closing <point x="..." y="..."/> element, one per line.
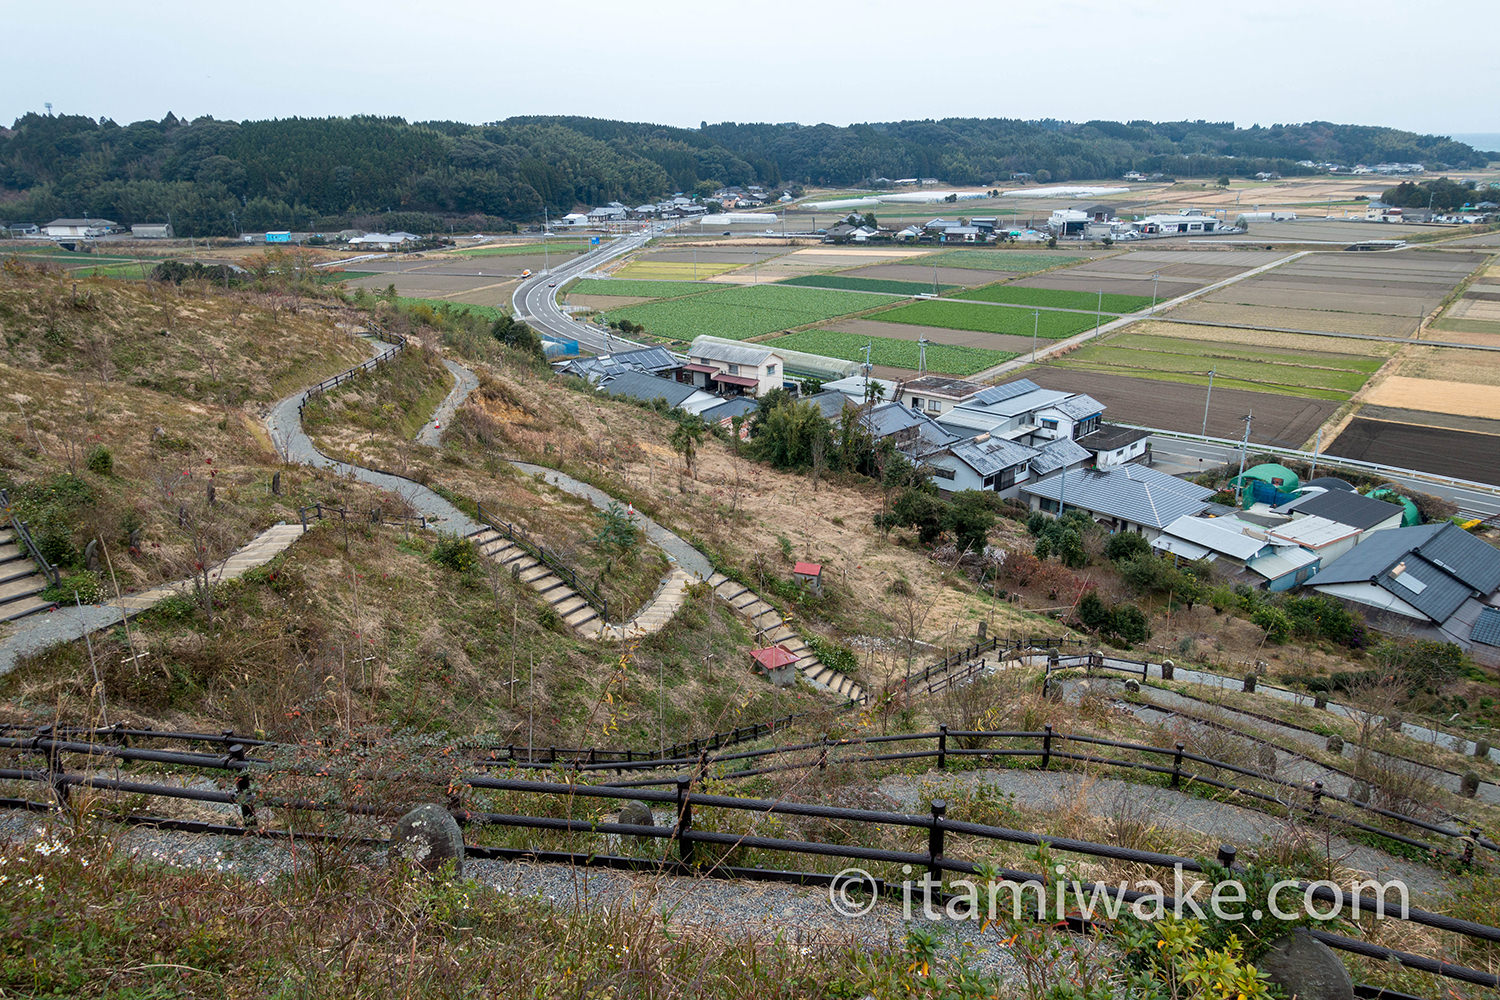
<point x="538" y="551"/>
<point x="398" y="344"/>
<point x="24" y="539"/>
<point x="571" y="811"/>
<point x="321" y="511"/>
<point x="606" y="757"/>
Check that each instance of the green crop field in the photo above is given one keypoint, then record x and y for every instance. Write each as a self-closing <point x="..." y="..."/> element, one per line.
<point x="551" y="246"/>
<point x="740" y="312"/>
<point x="862" y="284"/>
<point x="1057" y="298"/>
<point x="998" y="260"/>
<point x="955" y="315"/>
<point x="334" y="277"/>
<point x="945" y="359"/>
<point x="1314" y="375"/>
<point x="627" y="288"/>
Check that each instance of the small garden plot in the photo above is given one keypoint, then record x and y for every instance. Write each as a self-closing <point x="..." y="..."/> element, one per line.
<point x="1020" y="262"/>
<point x="1049" y="325"/>
<point x="624" y="288"/>
<point x="673" y="270"/>
<point x="864" y="284"/>
<point x="742" y="312"/>
<point x="946" y="359"/>
<point x="1057" y="298"/>
<point x="1315" y="376"/>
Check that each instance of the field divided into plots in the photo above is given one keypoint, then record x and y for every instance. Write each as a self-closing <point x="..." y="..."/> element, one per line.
<point x="1057" y="298"/>
<point x="1046" y="324"/>
<point x="852" y="284"/>
<point x="889" y="352"/>
<point x="744" y="311"/>
<point x="1310" y="374"/>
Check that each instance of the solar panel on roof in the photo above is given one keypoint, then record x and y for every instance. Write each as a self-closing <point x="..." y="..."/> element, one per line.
<point x="1010" y="390"/>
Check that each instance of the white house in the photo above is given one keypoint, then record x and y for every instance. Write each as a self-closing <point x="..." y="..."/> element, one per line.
<point x="937" y="394"/>
<point x="735" y="369"/>
<point x="859" y="389"/>
<point x="79" y="228"/>
<point x="1166" y="225"/>
<point x="1328" y="539"/>
<point x="383" y="241"/>
<point x="573" y="220"/>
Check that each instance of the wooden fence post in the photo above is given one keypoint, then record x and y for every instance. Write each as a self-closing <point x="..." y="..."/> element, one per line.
<point x="1046" y="745"/>
<point x="942" y="749"/>
<point x="1177" y="767"/>
<point x="935" y="842"/>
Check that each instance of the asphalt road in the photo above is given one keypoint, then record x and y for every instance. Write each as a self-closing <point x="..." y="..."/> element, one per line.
<point x="1178" y="457"/>
<point x="535" y="299"/>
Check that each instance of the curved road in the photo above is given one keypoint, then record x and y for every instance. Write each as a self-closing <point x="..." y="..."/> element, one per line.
<point x="535" y="299"/>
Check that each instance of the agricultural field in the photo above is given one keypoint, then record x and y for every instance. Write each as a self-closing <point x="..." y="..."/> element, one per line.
<point x="671" y="270"/>
<point x="847" y="283"/>
<point x="888" y="352"/>
<point x="1276" y="340"/>
<point x="557" y="248"/>
<point x="742" y="312"/>
<point x="1048" y="325"/>
<point x="1440" y="450"/>
<point x="1406" y="284"/>
<point x="1285" y="421"/>
<point x="1057" y="298"/>
<point x="637" y="289"/>
<point x="866" y="328"/>
<point x="1016" y="261"/>
<point x="922" y="273"/>
<point x="1314" y="375"/>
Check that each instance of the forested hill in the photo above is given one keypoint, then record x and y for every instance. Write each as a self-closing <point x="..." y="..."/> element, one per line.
<point x="213" y="176"/>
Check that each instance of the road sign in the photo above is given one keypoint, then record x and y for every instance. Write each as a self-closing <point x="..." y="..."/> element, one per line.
<point x="594" y="240"/>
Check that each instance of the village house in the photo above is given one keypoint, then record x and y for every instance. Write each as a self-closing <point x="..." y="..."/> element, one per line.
<point x="1364" y="514"/>
<point x="1245" y="552"/>
<point x="648" y="389"/>
<point x="734" y="369"/>
<point x="651" y="360"/>
<point x="1123" y="498"/>
<point x="1434" y="581"/>
<point x="937" y="394"/>
<point x="79" y="228"/>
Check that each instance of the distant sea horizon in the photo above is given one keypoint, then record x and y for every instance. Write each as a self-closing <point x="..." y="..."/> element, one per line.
<point x="1479" y="140"/>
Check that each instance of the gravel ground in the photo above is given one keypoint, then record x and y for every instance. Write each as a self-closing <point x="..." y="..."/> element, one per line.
<point x="764" y="910"/>
<point x="1167" y="809"/>
<point x="464" y="382"/>
<point x="35" y="633"/>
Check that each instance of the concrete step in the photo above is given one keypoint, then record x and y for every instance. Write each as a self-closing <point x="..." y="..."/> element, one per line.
<point x="569" y="604"/>
<point x="581" y="617"/>
<point x="552" y="594"/>
<point x="483" y="536"/>
<point x="21" y="607"/>
<point x="11" y="550"/>
<point x="495" y="547"/>
<point x="25" y="586"/>
<point x="16" y="569"/>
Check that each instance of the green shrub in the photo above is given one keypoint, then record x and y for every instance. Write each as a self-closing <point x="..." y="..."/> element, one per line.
<point x="86" y="585"/>
<point x="100" y="461"/>
<point x="1275" y="621"/>
<point x="457" y="554"/>
<point x="1125" y="545"/>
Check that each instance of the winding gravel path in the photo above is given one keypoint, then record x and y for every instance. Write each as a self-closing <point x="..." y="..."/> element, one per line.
<point x="285" y="424"/>
<point x="464" y="382"/>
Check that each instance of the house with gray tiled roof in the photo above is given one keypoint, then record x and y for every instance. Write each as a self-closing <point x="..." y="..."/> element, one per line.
<point x="1123" y="498"/>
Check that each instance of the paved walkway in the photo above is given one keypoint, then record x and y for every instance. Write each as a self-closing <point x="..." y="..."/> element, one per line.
<point x="464" y="382"/>
<point x="66" y="624"/>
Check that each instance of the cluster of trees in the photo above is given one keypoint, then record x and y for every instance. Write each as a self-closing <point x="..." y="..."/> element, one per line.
<point x="216" y="178"/>
<point x="1442" y="194"/>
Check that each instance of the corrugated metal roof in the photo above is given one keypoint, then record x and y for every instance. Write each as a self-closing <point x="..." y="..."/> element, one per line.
<point x="1281" y="562"/>
<point x="1314" y="532"/>
<point x="1010" y="390"/>
<point x="1487" y="628"/>
<point x="1348" y="508"/>
<point x="1131" y="493"/>
<point x="1211" y="534"/>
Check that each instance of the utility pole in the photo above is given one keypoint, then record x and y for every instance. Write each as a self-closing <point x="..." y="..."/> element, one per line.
<point x="546" y="257"/>
<point x="921" y="354"/>
<point x="1207" y="399"/>
<point x="1098" y="312"/>
<point x="1154" y="279"/>
<point x="1239" y="481"/>
<point x="1036" y="323"/>
<point x="1317" y="448"/>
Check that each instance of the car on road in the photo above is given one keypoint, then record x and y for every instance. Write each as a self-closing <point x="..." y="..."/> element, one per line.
<point x="551" y="284"/>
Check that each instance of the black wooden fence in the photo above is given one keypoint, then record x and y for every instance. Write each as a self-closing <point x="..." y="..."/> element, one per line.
<point x="235" y="766"/>
<point x="539" y="552"/>
<point x="398" y="344"/>
<point x="375" y="515"/>
<point x="25" y="541"/>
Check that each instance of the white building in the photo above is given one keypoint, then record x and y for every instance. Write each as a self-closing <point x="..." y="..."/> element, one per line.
<point x="79" y="228"/>
<point x="1167" y="225"/>
<point x="383" y="241"/>
<point x="151" y="230"/>
<point x="738" y="369"/>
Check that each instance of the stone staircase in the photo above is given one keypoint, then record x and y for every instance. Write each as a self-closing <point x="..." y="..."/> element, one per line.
<point x="20" y="580"/>
<point x="773" y="630"/>
<point x="577" y="613"/>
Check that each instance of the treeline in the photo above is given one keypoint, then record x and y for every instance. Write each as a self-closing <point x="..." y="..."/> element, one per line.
<point x="216" y="178"/>
<point x="1441" y="194"/>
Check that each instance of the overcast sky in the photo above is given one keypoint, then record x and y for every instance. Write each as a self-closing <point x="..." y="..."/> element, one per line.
<point x="680" y="62"/>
